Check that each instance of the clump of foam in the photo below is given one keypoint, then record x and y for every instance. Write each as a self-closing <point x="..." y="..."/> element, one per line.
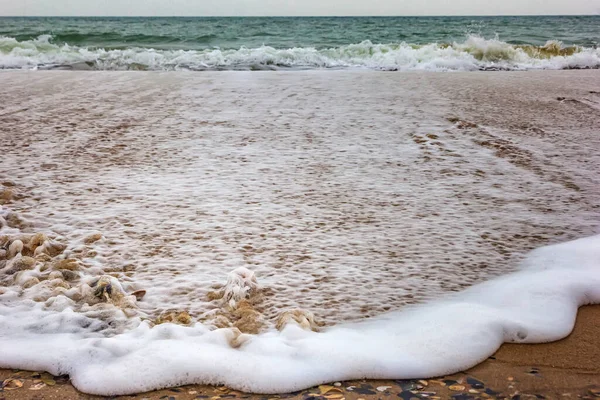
<point x="237" y="302"/>
<point x="108" y="289"/>
<point x="304" y="319"/>
<point x="241" y="282"/>
<point x="240" y="307"/>
<point x="419" y="342"/>
<point x="36" y="267"/>
<point x="54" y="276"/>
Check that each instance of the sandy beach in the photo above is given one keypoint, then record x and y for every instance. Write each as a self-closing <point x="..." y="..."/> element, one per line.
<point x="348" y="194"/>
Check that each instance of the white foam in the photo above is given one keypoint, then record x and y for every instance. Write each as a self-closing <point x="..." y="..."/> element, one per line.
<point x="474" y="53"/>
<point x="240" y="283"/>
<point x="536" y="304"/>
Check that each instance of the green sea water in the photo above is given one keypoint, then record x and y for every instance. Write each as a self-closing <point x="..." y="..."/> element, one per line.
<point x="438" y="43"/>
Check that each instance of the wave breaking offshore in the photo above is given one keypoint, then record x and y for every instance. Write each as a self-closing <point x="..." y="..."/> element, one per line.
<point x="475" y="53"/>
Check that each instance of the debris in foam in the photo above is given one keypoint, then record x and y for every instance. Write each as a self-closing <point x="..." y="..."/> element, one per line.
<point x="38" y="264"/>
<point x="11" y="384"/>
<point x="241" y="282"/>
<point x="304" y="319"/>
<point x="37" y="386"/>
<point x="239" y="306"/>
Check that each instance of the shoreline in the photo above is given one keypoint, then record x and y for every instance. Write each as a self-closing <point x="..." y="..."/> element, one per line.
<point x="567" y="369"/>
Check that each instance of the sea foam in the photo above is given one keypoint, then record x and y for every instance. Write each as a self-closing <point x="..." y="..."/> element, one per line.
<point x="474" y="53"/>
<point x="538" y="303"/>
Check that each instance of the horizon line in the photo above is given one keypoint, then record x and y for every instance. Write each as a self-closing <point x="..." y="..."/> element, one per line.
<point x="300" y="16"/>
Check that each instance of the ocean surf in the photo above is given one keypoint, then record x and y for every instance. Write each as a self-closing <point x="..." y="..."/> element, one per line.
<point x="473" y="54"/>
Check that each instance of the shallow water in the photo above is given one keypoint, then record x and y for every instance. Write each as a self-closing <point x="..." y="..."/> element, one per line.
<point x="349" y="194"/>
<point x="332" y="196"/>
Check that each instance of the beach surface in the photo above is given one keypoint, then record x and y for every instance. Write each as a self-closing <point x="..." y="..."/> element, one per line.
<point x="349" y="194"/>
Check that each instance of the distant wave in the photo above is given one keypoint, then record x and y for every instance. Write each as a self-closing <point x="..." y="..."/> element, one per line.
<point x="475" y="53"/>
<point x="75" y="38"/>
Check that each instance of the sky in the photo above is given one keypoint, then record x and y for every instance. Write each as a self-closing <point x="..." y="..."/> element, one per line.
<point x="294" y="7"/>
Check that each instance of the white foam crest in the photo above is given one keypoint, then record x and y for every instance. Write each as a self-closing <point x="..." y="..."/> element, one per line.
<point x="536" y="304"/>
<point x="240" y="283"/>
<point x="475" y="53"/>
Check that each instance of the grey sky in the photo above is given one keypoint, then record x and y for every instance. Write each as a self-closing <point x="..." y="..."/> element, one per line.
<point x="297" y="7"/>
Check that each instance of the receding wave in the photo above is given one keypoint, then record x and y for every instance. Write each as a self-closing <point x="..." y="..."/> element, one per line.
<point x="475" y="53"/>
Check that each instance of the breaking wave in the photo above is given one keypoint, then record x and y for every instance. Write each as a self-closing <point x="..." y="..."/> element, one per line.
<point x="475" y="53"/>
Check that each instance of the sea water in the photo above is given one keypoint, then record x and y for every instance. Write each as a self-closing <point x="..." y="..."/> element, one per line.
<point x="383" y="43"/>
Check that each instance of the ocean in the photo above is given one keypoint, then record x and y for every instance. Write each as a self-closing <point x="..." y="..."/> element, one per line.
<point x="271" y="43"/>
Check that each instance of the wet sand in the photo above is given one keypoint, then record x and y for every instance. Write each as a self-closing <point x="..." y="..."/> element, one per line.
<point x="492" y="165"/>
<point x="568" y="369"/>
<point x="429" y="182"/>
